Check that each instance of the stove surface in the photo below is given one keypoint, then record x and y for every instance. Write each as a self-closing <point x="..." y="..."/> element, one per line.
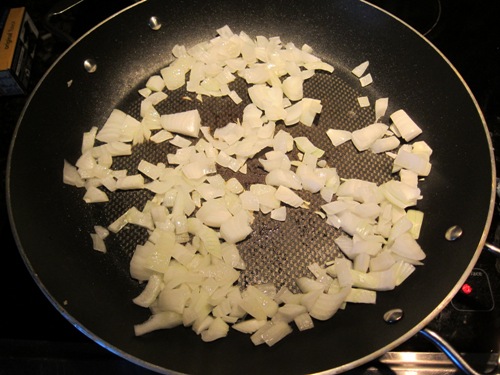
<point x="45" y="343"/>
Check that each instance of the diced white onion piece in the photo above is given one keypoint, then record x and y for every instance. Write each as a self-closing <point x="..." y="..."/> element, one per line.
<point x="284" y="295"/>
<point x="408" y="177"/>
<point x="366" y="80"/>
<point x="101" y="232"/>
<point x="276" y="332"/>
<point x="269" y="306"/>
<point x="150" y="292"/>
<point x="365" y="137"/>
<point x="286" y="195"/>
<point x="283" y="141"/>
<point x="361" y="296"/>
<point x="217" y="329"/>
<point x="213" y="213"/>
<point x="405" y="126"/>
<point x="145" y="92"/>
<point x="416" y="217"/>
<point x="281" y="177"/>
<point x="400" y="194"/>
<point x="401" y="226"/>
<point x="202" y="323"/>
<point x="359" y="190"/>
<point x="275" y="160"/>
<point x="406" y="246"/>
<point x="161" y="136"/>
<point x="293" y="87"/>
<point x="161" y="320"/>
<point x="382" y="261"/>
<point x="234" y="186"/>
<point x="360" y="245"/>
<point x="288" y="312"/>
<point x="279" y="214"/>
<point x="95" y="195"/>
<point x="422" y="148"/>
<point x="249" y="325"/>
<point x="381" y="105"/>
<point x="307" y="284"/>
<point x="337" y="136"/>
<point x="71" y="175"/>
<point x="384" y="144"/>
<point x="174" y="77"/>
<point x="155" y="83"/>
<point x="88" y="139"/>
<point x="180" y="141"/>
<point x="309" y="298"/>
<point x="310" y="108"/>
<point x="361" y="262"/>
<point x="304" y="321"/>
<point x="130" y="182"/>
<point x="253" y="307"/>
<point x="307" y="147"/>
<point x="231" y="256"/>
<point x="363" y="101"/>
<point x="98" y="243"/>
<point x="186" y="123"/>
<point x="413" y="162"/>
<point x="328" y="304"/>
<point x="359" y="70"/>
<point x="199" y="168"/>
<point x="236" y="229"/>
<point x="293" y="114"/>
<point x="143" y="219"/>
<point x="378" y="281"/>
<point x="319" y="65"/>
<point x="156" y="97"/>
<point x="235" y="97"/>
<point x="149" y="169"/>
<point x="119" y="127"/>
<point x="343" y="268"/>
<point x="117" y="148"/>
<point x="345" y="243"/>
<point x="257" y="336"/>
<point x="402" y="270"/>
<point x="312" y="179"/>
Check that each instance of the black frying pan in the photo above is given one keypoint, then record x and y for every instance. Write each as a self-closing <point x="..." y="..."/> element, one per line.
<point x="51" y="223"/>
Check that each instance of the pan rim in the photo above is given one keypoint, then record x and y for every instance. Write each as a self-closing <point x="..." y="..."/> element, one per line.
<point x="342" y="368"/>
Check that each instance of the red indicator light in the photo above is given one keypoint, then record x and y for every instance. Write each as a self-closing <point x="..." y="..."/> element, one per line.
<point x="466" y="289"/>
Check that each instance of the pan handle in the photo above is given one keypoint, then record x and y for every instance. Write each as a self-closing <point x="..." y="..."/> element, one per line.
<point x="451" y="353"/>
<point x="59" y="8"/>
<point x="492" y="248"/>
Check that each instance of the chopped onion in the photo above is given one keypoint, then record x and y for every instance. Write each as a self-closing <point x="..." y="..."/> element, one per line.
<point x="161" y="320"/>
<point x="380" y="108"/>
<point x="364" y="101"/>
<point x="359" y="70"/>
<point x="195" y="220"/>
<point x="249" y="325"/>
<point x="186" y="123"/>
<point x="365" y="137"/>
<point x="279" y="214"/>
<point x="337" y="137"/>
<point x="384" y="144"/>
<point x="406" y="246"/>
<point x="287" y="196"/>
<point x="405" y="126"/>
<point x="95" y="195"/>
<point x="366" y="80"/>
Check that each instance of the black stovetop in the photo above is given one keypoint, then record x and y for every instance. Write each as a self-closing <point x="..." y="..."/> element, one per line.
<point x="36" y="339"/>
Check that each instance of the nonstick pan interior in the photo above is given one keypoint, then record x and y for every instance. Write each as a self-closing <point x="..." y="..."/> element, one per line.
<point x="94" y="292"/>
